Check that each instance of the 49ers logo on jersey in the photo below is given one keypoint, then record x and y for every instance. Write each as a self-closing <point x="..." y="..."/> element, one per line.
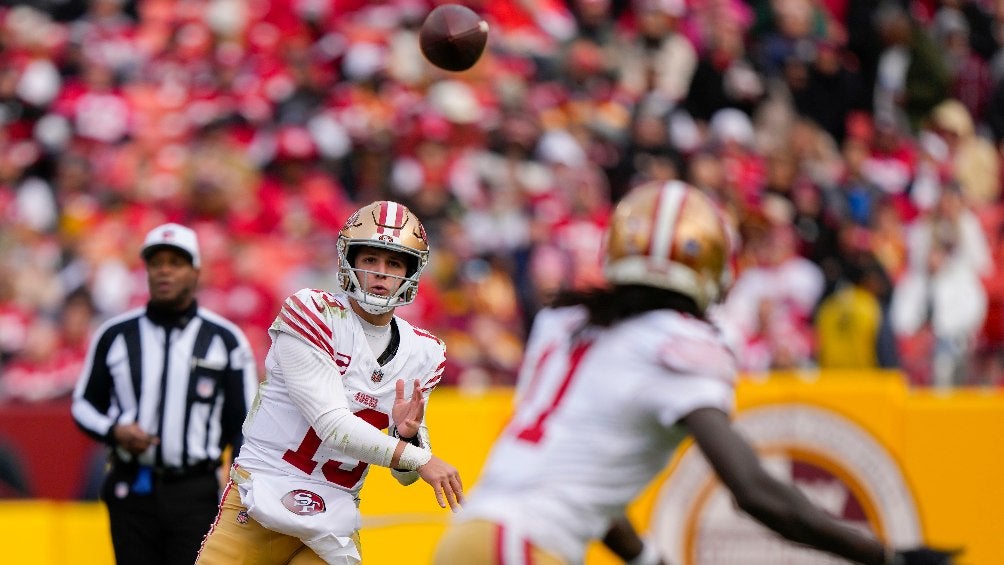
<point x="303" y="502"/>
<point x="366" y="399"/>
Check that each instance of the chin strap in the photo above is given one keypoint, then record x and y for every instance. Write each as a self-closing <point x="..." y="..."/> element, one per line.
<point x="374" y="309"/>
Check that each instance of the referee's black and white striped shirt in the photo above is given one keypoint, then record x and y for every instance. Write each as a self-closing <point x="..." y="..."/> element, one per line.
<point x="194" y="398"/>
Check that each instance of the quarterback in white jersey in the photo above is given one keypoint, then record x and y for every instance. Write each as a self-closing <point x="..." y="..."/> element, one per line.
<point x="612" y="380"/>
<point x="341" y="368"/>
<point x="279" y="437"/>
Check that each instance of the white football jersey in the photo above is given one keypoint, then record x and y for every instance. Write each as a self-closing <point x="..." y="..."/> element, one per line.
<point x="596" y="421"/>
<point x="278" y="440"/>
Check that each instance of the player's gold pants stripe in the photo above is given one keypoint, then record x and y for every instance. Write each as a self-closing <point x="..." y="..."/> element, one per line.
<point x="480" y="542"/>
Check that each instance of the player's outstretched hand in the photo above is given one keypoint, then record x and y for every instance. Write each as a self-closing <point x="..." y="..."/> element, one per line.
<point x="408" y="411"/>
<point x="925" y="556"/>
<point x="445" y="480"/>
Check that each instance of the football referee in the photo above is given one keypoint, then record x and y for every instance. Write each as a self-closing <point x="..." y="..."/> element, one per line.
<point x="167" y="388"/>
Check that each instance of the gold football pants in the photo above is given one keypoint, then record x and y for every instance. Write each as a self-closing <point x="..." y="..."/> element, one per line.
<point x="480" y="542"/>
<point x="237" y="539"/>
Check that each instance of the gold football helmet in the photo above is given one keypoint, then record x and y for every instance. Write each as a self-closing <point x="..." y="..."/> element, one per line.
<point x="387" y="225"/>
<point x="670" y="235"/>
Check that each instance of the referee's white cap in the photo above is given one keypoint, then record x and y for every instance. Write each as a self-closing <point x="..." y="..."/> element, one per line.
<point x="172" y="235"/>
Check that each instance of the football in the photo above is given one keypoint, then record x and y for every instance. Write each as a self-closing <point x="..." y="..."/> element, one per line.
<point x="453" y="37"/>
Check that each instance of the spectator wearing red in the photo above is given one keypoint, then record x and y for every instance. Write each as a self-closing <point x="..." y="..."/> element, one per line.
<point x="15" y="317"/>
<point x="892" y="163"/>
<point x="770" y="307"/>
<point x="54" y="352"/>
<point x="44" y="369"/>
<point x="731" y="138"/>
<point x="296" y="197"/>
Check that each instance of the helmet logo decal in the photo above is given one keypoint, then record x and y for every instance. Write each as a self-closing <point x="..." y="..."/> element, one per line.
<point x="353" y="221"/>
<point x="691" y="247"/>
<point x="390" y="217"/>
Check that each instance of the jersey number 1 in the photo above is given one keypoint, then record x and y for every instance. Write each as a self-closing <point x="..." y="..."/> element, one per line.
<point x="535" y="431"/>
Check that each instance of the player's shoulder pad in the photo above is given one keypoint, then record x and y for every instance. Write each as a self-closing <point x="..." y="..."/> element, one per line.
<point x="697" y="350"/>
<point x="321" y="303"/>
<point x="428" y="350"/>
<point x="564" y="318"/>
<point x="310" y="314"/>
<point x="407" y="328"/>
<point x="550" y="322"/>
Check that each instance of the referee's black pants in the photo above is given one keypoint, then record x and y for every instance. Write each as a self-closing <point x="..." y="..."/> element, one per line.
<point x="164" y="527"/>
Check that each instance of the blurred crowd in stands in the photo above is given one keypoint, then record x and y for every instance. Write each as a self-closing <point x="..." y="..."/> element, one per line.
<point x="855" y="144"/>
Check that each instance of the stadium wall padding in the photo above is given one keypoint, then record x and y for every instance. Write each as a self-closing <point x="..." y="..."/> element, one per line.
<point x="947" y="445"/>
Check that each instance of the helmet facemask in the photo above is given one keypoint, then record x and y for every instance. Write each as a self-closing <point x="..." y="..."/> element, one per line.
<point x="351" y="278"/>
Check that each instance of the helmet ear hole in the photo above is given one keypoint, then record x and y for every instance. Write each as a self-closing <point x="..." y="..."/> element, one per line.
<point x="350" y="256"/>
<point x="412" y="267"/>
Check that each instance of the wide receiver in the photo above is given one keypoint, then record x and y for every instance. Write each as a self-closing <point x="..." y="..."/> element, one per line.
<point x="612" y="381"/>
<point x="341" y="367"/>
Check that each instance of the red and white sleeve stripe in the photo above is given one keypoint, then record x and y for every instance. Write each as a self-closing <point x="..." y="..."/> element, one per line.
<point x="306" y="323"/>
